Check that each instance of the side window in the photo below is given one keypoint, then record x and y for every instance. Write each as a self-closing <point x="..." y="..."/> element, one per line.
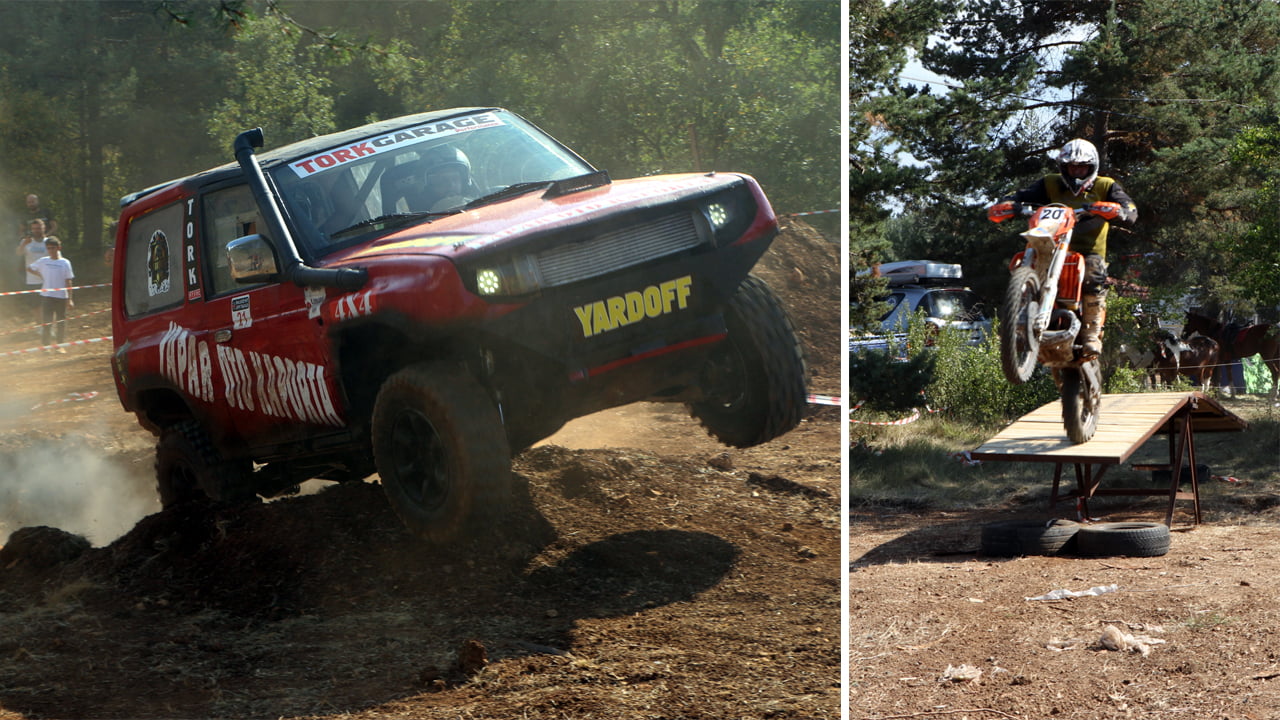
<point x="153" y="261"/>
<point x="229" y="213"/>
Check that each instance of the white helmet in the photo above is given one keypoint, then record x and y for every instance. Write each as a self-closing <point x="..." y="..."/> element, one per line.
<point x="1078" y="152"/>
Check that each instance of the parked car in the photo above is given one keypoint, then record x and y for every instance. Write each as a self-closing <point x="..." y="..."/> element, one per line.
<point x="424" y="296"/>
<point x="933" y="289"/>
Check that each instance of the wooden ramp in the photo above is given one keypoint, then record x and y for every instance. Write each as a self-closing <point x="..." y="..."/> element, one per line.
<point x="1125" y="423"/>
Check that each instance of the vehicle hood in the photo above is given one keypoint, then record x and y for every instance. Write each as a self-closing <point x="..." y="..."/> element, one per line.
<point x="529" y="215"/>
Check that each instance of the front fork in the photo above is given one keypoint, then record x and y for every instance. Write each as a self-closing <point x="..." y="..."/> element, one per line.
<point x="1048" y="281"/>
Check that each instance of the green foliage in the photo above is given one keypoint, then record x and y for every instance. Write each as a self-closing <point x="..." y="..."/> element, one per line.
<point x="103" y="97"/>
<point x="883" y="383"/>
<point x="970" y="386"/>
<point x="1167" y="91"/>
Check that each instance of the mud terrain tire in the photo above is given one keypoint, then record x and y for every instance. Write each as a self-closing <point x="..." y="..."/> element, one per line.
<point x="1132" y="539"/>
<point x="441" y="451"/>
<point x="755" y="382"/>
<point x="189" y="468"/>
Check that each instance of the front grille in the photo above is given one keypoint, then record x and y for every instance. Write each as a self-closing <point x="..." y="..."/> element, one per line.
<point x="617" y="249"/>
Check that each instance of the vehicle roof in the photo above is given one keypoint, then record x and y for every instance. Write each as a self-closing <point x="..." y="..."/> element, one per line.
<point x="309" y="146"/>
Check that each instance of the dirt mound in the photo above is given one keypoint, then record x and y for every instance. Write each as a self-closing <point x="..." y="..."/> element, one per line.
<point x="803" y="268"/>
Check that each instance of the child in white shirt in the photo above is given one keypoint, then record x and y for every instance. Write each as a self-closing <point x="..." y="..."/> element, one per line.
<point x="55" y="275"/>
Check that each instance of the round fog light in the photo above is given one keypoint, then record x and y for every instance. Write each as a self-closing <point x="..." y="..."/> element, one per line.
<point x="488" y="282"/>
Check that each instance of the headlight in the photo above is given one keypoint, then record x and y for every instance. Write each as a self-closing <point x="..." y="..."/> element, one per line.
<point x="718" y="214"/>
<point x="728" y="213"/>
<point x="514" y="276"/>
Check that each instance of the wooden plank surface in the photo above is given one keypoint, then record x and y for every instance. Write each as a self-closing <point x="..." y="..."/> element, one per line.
<point x="1125" y="422"/>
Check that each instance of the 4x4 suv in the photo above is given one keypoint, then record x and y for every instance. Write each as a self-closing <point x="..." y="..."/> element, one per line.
<point x="423" y="296"/>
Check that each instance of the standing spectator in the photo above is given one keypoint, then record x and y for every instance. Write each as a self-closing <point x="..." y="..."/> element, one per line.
<point x="36" y="211"/>
<point x="55" y="276"/>
<point x="31" y="249"/>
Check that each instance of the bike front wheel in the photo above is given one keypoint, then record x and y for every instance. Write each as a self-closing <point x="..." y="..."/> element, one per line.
<point x="1019" y="345"/>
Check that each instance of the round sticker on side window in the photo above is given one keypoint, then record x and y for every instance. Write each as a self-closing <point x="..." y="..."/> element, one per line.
<point x="158" y="264"/>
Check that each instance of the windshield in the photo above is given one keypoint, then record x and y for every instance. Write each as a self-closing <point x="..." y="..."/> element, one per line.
<point x="436" y="167"/>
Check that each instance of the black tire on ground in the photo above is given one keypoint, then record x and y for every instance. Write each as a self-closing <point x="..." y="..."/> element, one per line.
<point x="1055" y="537"/>
<point x="755" y="381"/>
<point x="441" y="451"/>
<point x="1019" y="348"/>
<point x="1134" y="539"/>
<point x="189" y="468"/>
<point x="1014" y="538"/>
<point x="1081" y="396"/>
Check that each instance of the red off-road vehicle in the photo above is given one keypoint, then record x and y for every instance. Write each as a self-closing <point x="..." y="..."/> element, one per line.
<point x="424" y="296"/>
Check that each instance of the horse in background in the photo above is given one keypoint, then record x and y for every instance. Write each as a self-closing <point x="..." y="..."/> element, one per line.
<point x="1237" y="342"/>
<point x="1196" y="357"/>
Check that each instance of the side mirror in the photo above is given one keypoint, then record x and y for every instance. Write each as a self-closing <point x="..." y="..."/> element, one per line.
<point x="252" y="260"/>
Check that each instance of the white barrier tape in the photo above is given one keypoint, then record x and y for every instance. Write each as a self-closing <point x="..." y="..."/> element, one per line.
<point x="811" y="212"/>
<point x="77" y="287"/>
<point x="824" y="400"/>
<point x="44" y="325"/>
<point x="915" y="415"/>
<point x="57" y="345"/>
<point x="72" y="397"/>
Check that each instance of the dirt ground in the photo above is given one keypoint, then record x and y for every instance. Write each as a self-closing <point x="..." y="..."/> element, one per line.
<point x="939" y="630"/>
<point x="647" y="572"/>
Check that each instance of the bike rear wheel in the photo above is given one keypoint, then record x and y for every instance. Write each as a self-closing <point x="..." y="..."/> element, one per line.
<point x="1081" y="396"/>
<point x="1018" y="344"/>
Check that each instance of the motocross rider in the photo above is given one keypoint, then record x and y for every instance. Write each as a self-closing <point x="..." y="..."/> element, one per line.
<point x="1077" y="185"/>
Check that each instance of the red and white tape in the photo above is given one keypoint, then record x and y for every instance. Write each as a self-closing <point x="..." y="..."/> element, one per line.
<point x="824" y="400"/>
<point x="42" y="325"/>
<point x="78" y="287"/>
<point x="72" y="397"/>
<point x="73" y="343"/>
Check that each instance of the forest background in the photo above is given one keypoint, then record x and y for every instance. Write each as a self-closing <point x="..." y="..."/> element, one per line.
<point x="100" y="98"/>
<point x="954" y="104"/>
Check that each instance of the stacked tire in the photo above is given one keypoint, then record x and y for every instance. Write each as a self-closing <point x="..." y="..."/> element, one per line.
<point x="1016" y="538"/>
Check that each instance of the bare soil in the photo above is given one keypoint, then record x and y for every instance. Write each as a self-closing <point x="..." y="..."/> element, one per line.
<point x="647" y="572"/>
<point x="939" y="630"/>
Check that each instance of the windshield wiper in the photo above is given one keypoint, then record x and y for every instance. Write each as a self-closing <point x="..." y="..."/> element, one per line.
<point x="393" y="220"/>
<point x="554" y="188"/>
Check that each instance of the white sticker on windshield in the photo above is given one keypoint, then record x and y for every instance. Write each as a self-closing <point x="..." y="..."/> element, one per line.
<point x="393" y="141"/>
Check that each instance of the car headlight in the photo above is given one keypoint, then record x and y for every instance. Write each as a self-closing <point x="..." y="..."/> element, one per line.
<point x="718" y="214"/>
<point x="728" y="213"/>
<point x="512" y="276"/>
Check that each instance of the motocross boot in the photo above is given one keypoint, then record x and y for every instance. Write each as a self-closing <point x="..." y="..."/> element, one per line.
<point x="1093" y="314"/>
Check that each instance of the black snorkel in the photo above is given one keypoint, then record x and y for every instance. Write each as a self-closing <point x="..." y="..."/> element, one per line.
<point x="293" y="269"/>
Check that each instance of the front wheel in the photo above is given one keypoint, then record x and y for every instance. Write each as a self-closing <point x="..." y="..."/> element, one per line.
<point x="190" y="468"/>
<point x="440" y="451"/>
<point x="1081" y="396"/>
<point x="1019" y="345"/>
<point x="754" y="382"/>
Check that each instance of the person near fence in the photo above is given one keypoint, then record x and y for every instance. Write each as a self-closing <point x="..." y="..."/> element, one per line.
<point x="55" y="275"/>
<point x="30" y="249"/>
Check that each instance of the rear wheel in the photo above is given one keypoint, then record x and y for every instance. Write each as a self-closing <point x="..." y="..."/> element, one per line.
<point x="1018" y="344"/>
<point x="440" y="450"/>
<point x="754" y="382"/>
<point x="1081" y="396"/>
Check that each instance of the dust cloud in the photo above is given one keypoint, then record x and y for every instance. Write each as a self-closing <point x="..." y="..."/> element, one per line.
<point x="66" y="485"/>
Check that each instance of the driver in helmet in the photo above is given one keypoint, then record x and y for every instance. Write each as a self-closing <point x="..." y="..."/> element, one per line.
<point x="1078" y="185"/>
<point x="446" y="178"/>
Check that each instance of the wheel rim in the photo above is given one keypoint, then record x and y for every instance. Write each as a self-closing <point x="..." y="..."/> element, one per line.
<point x="1023" y="334"/>
<point x="420" y="461"/>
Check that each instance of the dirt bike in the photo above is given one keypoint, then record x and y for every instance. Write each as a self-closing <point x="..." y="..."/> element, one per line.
<point x="1040" y="316"/>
